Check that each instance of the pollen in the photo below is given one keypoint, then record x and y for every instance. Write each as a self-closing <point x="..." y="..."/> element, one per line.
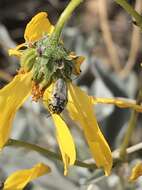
<point x="37" y="92"/>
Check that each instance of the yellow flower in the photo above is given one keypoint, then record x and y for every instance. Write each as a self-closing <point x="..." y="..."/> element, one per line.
<point x="79" y="105"/>
<point x="19" y="179"/>
<point x="15" y="93"/>
<point x="136" y="172"/>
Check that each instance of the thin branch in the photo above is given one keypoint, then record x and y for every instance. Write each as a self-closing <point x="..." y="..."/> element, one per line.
<point x="116" y="154"/>
<point x="130" y="10"/>
<point x="112" y="51"/>
<point x="45" y="152"/>
<point x="130" y="129"/>
<point x="135" y="44"/>
<point x="116" y="158"/>
<point x="52" y="155"/>
<point x="129" y="151"/>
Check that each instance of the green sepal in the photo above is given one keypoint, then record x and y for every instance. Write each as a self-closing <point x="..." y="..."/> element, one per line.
<point x="28" y="59"/>
<point x="51" y="62"/>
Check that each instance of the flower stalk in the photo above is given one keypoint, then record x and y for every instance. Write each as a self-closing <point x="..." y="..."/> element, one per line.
<point x="64" y="17"/>
<point x="131" y="127"/>
<point x="130" y="10"/>
<point x="45" y="152"/>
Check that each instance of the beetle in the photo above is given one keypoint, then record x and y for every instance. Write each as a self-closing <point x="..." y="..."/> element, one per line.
<point x="59" y="97"/>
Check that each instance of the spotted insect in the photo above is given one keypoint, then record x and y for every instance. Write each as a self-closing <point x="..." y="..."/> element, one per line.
<point x="59" y="97"/>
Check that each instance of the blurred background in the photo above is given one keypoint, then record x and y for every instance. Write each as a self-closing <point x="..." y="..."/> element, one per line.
<point x="105" y="34"/>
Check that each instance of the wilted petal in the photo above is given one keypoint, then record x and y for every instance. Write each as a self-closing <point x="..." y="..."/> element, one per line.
<point x="81" y="110"/>
<point x="136" y="172"/>
<point x="120" y="102"/>
<point x="65" y="142"/>
<point x="12" y="96"/>
<point x="37" y="27"/>
<point x="78" y="60"/>
<point x="19" y="179"/>
<point x="16" y="51"/>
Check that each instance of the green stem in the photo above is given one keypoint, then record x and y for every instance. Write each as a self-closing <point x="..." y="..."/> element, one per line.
<point x="129" y="132"/>
<point x="130" y="10"/>
<point x="64" y="17"/>
<point x="45" y="152"/>
<point x="131" y="127"/>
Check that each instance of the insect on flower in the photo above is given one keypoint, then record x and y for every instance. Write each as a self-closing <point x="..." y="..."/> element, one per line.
<point x="59" y="97"/>
<point x="46" y="73"/>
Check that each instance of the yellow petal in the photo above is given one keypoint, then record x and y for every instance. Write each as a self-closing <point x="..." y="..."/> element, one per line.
<point x="19" y="179"/>
<point x="78" y="60"/>
<point x="12" y="96"/>
<point x="65" y="142"/>
<point x="16" y="51"/>
<point x="120" y="102"/>
<point x="47" y="95"/>
<point x="81" y="110"/>
<point x="37" y="27"/>
<point x="64" y="137"/>
<point x="136" y="172"/>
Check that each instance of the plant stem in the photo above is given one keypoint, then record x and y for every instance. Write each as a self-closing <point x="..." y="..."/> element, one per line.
<point x="64" y="17"/>
<point x="129" y="132"/>
<point x="130" y="10"/>
<point x="45" y="152"/>
<point x="131" y="127"/>
<point x="53" y="155"/>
